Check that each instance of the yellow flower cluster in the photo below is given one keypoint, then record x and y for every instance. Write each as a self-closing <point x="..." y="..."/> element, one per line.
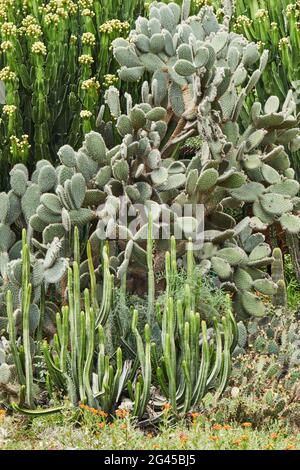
<point x="28" y="21"/>
<point x="21" y="145"/>
<point x="90" y="83"/>
<point x="9" y="109"/>
<point x="87" y="12"/>
<point x="261" y="14"/>
<point x="86" y="4"/>
<point x="202" y="3"/>
<point x="88" y="39"/>
<point x="261" y="45"/>
<point x="6" y="45"/>
<point x="51" y="18"/>
<point x="9" y="29"/>
<point x="39" y="47"/>
<point x="85" y="114"/>
<point x="243" y="20"/>
<point x="290" y="9"/>
<point x="86" y="59"/>
<point x="34" y="30"/>
<point x="114" y="26"/>
<point x="283" y="42"/>
<point x="110" y="79"/>
<point x="60" y="7"/>
<point x="7" y="75"/>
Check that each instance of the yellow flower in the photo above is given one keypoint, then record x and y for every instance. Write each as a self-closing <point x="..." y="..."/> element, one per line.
<point x="89" y="39"/>
<point x="9" y="29"/>
<point x="90" y="83"/>
<point x="39" y="47"/>
<point x="86" y="59"/>
<point x="110" y="79"/>
<point x="114" y="25"/>
<point x="34" y="30"/>
<point x="7" y="75"/>
<point x="9" y="109"/>
<point x="85" y="114"/>
<point x="6" y="45"/>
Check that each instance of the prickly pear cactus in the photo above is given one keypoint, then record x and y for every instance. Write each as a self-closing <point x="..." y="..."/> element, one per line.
<point x="202" y="74"/>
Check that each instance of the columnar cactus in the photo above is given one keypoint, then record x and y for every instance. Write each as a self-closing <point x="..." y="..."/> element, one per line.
<point x="45" y="45"/>
<point x="277" y="268"/>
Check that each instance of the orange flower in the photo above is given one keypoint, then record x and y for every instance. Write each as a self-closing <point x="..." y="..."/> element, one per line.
<point x="183" y="437"/>
<point x="166" y="406"/>
<point x="244" y="437"/>
<point x="122" y="414"/>
<point x="274" y="435"/>
<point x="123" y="426"/>
<point x="102" y="414"/>
<point x="269" y="447"/>
<point x="226" y="427"/>
<point x="237" y="442"/>
<point x="155" y="446"/>
<point x="214" y="438"/>
<point x="101" y="425"/>
<point x="217" y="427"/>
<point x="246" y="425"/>
<point x="290" y="447"/>
<point x="149" y="435"/>
<point x="2" y="415"/>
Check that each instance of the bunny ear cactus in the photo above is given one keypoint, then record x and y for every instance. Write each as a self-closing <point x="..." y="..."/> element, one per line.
<point x="203" y="77"/>
<point x="203" y="82"/>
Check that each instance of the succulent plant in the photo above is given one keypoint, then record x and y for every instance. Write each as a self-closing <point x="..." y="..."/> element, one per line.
<point x="198" y="84"/>
<point x="203" y="76"/>
<point x="186" y="362"/>
<point x="45" y="45"/>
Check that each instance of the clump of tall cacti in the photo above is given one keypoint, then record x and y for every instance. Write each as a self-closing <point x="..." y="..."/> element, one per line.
<point x="52" y="72"/>
<point x="186" y="361"/>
